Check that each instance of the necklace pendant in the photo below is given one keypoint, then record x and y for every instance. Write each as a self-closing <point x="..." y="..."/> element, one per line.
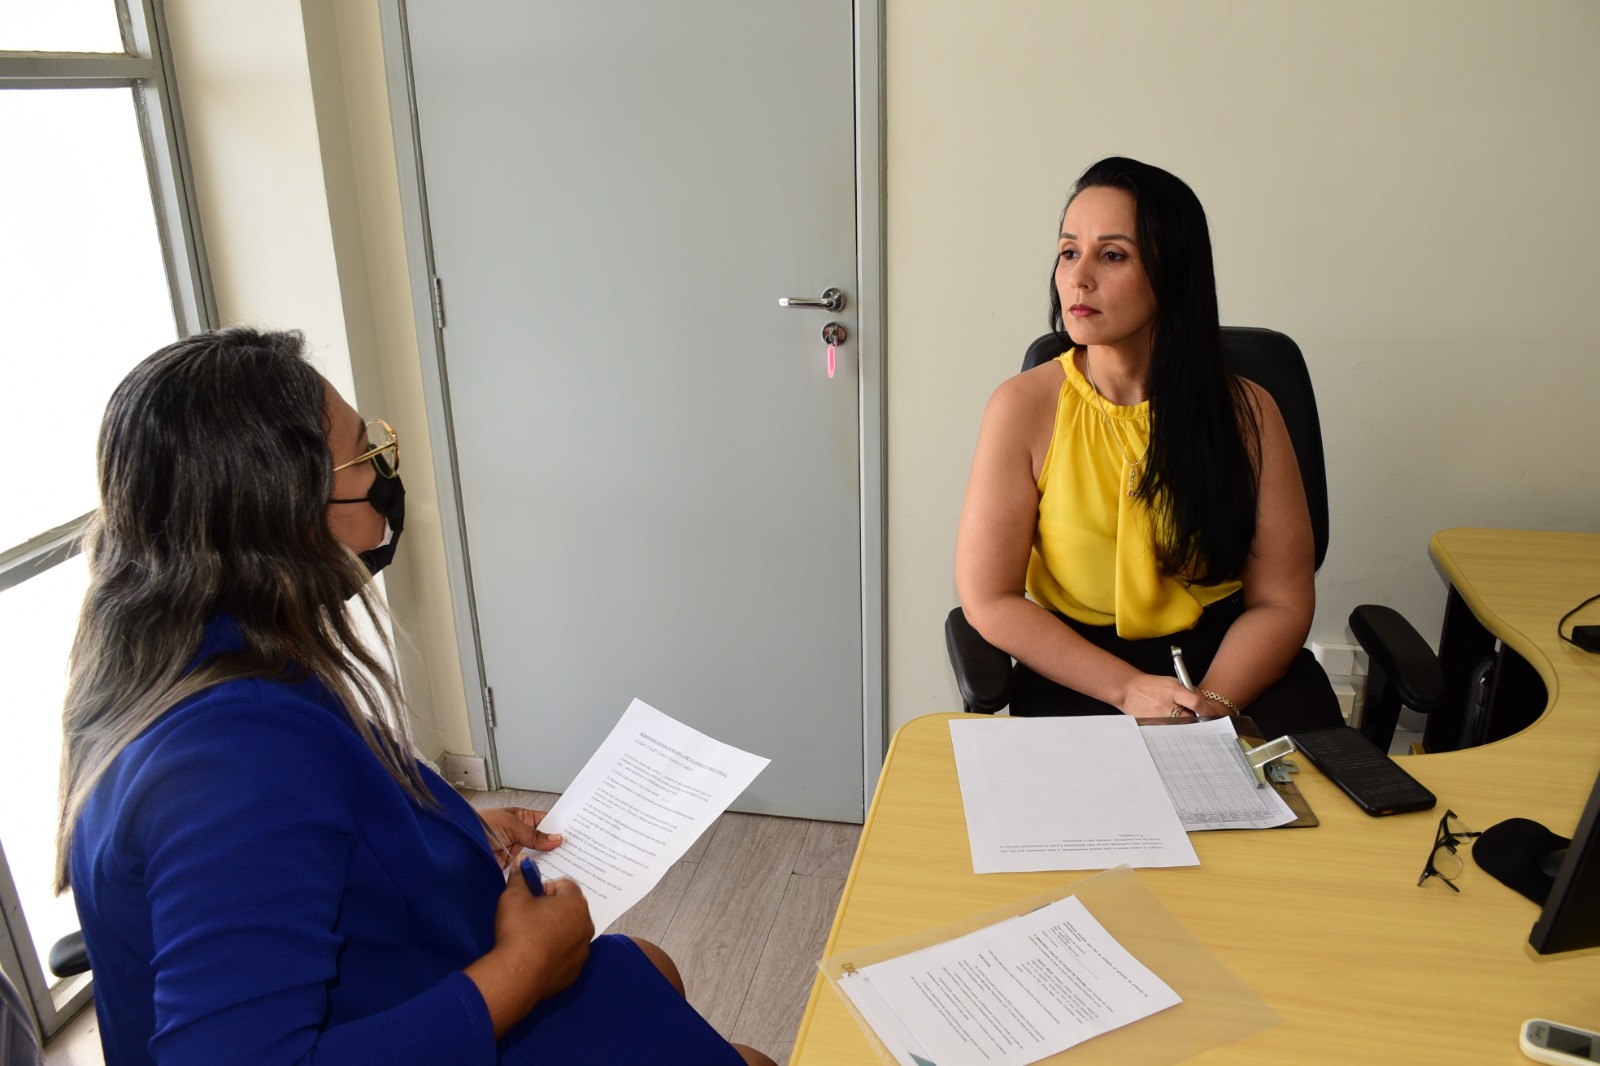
<point x="1133" y="478"/>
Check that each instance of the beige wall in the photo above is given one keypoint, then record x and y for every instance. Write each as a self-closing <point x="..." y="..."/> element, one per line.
<point x="252" y="135"/>
<point x="1404" y="186"/>
<point x="287" y="124"/>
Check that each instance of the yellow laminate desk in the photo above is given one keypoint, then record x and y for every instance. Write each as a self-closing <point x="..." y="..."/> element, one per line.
<point x="1327" y="924"/>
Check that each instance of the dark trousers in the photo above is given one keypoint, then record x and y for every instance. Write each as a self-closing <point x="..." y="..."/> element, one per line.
<point x="1301" y="699"/>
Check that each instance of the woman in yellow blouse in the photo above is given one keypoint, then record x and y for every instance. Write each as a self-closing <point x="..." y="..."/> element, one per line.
<point x="1132" y="495"/>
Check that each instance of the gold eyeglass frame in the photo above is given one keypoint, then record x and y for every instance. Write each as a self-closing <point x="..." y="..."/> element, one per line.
<point x="393" y="445"/>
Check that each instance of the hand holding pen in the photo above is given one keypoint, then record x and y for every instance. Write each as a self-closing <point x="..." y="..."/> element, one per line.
<point x="1182" y="670"/>
<point x="541" y="939"/>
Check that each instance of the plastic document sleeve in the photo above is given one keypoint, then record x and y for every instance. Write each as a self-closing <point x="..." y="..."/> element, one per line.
<point x="1217" y="1007"/>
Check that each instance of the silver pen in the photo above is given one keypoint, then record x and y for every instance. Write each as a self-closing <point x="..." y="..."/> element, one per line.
<point x="1181" y="670"/>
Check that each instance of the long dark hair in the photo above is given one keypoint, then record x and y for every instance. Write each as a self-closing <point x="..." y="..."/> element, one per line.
<point x="1201" y="473"/>
<point x="215" y="477"/>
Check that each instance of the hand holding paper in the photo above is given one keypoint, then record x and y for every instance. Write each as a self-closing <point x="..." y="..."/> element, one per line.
<point x="642" y="799"/>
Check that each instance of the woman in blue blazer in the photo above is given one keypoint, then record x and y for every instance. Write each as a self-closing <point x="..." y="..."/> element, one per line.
<point x="264" y="872"/>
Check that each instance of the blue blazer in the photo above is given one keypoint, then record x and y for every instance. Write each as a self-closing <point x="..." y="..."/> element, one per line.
<point x="255" y="888"/>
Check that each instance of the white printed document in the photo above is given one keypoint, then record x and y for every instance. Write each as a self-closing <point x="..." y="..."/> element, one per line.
<point x="1010" y="994"/>
<point x="1211" y="784"/>
<point x="642" y="799"/>
<point x="1064" y="794"/>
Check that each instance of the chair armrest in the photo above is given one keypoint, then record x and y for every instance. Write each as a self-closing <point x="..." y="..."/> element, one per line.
<point x="69" y="955"/>
<point x="983" y="671"/>
<point x="1399" y="654"/>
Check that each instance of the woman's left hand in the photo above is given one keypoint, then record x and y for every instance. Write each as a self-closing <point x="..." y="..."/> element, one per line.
<point x="510" y="829"/>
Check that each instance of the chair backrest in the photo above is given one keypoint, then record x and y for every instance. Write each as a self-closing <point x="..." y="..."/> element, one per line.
<point x="1273" y="361"/>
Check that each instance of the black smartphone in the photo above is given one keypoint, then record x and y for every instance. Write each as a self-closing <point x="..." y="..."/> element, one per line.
<point x="1363" y="772"/>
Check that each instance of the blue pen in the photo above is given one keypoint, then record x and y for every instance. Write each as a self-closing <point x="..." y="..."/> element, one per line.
<point x="530" y="874"/>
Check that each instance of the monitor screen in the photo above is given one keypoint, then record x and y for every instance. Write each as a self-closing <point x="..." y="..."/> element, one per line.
<point x="1571" y="916"/>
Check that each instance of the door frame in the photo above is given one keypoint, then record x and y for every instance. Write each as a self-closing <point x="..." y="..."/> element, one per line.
<point x="429" y="310"/>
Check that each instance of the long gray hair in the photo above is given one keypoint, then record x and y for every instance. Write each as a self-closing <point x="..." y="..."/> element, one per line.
<point x="215" y="477"/>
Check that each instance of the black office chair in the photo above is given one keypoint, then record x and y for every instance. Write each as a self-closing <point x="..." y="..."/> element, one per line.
<point x="1271" y="360"/>
<point x="1476" y="690"/>
<point x="1401" y="670"/>
<point x="69" y="956"/>
<point x="19" y="1036"/>
<point x="20" y="1044"/>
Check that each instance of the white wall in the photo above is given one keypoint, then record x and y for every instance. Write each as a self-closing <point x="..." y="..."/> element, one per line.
<point x="1406" y="187"/>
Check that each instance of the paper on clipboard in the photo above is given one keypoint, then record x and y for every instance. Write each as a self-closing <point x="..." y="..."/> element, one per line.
<point x="1211" y="784"/>
<point x="1064" y="794"/>
<point x="1093" y="792"/>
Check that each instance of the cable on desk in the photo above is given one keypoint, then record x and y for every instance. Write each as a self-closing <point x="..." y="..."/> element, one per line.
<point x="1585" y="637"/>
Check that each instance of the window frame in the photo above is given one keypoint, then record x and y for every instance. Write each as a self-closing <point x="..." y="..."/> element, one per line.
<point x="145" y="67"/>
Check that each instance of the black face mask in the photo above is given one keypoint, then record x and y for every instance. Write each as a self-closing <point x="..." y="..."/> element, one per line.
<point x="388" y="497"/>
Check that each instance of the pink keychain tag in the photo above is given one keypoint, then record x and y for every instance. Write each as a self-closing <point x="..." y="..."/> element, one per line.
<point x="832" y="349"/>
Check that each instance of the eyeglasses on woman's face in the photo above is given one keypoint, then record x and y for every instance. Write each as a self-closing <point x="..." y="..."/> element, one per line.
<point x="384" y="455"/>
<point x="1444" y="861"/>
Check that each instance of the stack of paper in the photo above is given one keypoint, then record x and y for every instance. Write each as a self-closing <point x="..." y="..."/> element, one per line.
<point x="1089" y="793"/>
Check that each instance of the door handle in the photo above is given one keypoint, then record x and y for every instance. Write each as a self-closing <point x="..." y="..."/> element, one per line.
<point x="832" y="300"/>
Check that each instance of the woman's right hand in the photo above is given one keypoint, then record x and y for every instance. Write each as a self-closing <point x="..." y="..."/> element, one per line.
<point x="540" y="944"/>
<point x="1154" y="696"/>
<point x="553" y="931"/>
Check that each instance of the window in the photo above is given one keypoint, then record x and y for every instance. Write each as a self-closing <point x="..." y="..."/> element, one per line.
<point x="103" y="265"/>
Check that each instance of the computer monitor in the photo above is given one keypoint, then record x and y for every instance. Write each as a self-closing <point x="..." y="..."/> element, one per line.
<point x="1571" y="916"/>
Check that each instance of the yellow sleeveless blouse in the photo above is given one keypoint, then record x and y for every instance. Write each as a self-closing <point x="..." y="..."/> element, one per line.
<point x="1094" y="557"/>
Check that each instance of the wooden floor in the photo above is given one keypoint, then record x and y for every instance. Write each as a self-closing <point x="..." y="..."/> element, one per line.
<point x="744" y="914"/>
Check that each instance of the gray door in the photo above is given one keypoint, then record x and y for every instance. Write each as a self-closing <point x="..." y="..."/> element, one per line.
<point x="660" y="485"/>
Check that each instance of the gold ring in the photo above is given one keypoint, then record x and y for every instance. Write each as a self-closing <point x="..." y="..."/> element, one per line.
<point x="1177" y="712"/>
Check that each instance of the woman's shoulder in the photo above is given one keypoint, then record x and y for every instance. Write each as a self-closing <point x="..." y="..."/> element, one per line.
<point x="1260" y="414"/>
<point x="303" y="698"/>
<point x="251" y="746"/>
<point x="1030" y="395"/>
<point x="247" y="726"/>
<point x="1259" y="399"/>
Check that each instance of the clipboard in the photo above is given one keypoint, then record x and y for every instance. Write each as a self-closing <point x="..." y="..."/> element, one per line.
<point x="1249" y="738"/>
